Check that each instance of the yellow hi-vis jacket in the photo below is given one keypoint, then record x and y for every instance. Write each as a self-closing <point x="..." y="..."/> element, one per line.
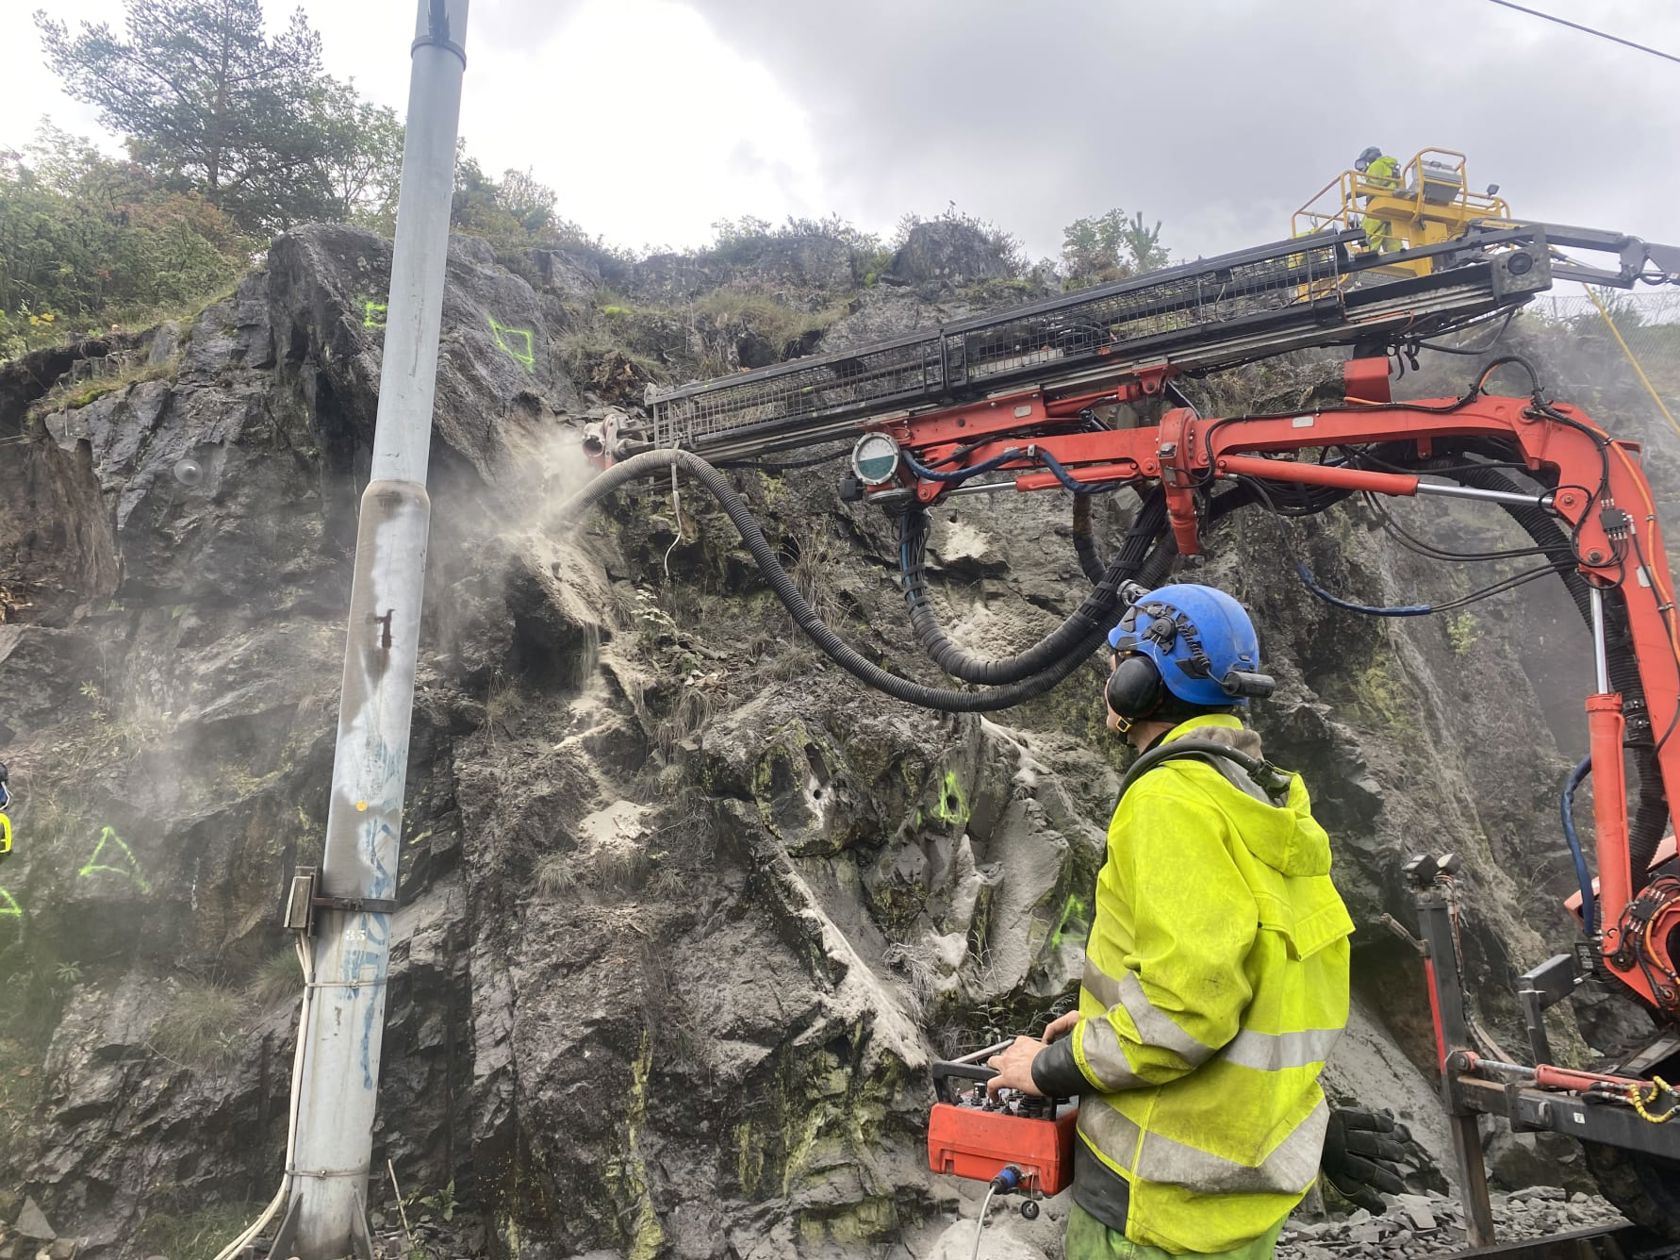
<point x="1216" y="982"/>
<point x="1383" y="173"/>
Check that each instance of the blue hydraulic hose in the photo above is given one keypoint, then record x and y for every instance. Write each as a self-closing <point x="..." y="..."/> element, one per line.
<point x="997" y="461"/>
<point x="961" y="474"/>
<point x="1399" y="610"/>
<point x="1062" y="475"/>
<point x="1589" y="911"/>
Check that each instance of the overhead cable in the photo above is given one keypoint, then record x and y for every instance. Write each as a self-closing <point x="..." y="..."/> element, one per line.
<point x="1588" y="30"/>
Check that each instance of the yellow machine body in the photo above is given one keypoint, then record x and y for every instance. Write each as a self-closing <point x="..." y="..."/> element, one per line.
<point x="1432" y="203"/>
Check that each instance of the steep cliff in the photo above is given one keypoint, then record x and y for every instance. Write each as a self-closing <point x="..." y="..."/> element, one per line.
<point x="685" y="911"/>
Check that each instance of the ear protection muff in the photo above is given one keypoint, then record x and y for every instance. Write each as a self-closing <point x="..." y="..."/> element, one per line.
<point x="1135" y="690"/>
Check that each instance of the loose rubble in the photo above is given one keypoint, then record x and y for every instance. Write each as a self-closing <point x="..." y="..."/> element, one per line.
<point x="1432" y="1224"/>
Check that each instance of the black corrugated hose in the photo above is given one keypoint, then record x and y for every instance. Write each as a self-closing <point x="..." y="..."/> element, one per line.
<point x="1084" y="542"/>
<point x="1095" y="613"/>
<point x="1153" y="559"/>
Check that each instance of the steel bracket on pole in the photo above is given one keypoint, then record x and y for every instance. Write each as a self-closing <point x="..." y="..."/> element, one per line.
<point x="286" y="1235"/>
<point x="357" y="905"/>
<point x="303" y="901"/>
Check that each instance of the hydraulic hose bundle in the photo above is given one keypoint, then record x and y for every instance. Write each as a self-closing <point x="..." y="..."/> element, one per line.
<point x="1146" y="556"/>
<point x="1084" y="541"/>
<point x="1095" y="614"/>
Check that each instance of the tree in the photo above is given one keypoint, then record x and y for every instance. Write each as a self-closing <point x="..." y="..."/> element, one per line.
<point x="530" y="202"/>
<point x="1110" y="247"/>
<point x="361" y="156"/>
<point x="513" y="213"/>
<point x="211" y="103"/>
<point x="476" y="207"/>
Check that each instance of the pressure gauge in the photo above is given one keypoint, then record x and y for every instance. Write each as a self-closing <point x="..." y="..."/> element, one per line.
<point x="875" y="459"/>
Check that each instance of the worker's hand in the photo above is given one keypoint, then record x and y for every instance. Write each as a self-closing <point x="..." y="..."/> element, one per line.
<point x="1014" y="1067"/>
<point x="1363" y="1155"/>
<point x="1061" y="1026"/>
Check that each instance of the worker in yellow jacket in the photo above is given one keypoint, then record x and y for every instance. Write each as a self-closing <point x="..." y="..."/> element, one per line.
<point x="1216" y="974"/>
<point x="1382" y="172"/>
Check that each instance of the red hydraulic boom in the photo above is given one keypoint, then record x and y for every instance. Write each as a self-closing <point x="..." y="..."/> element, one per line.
<point x="1603" y="497"/>
<point x="1081" y="393"/>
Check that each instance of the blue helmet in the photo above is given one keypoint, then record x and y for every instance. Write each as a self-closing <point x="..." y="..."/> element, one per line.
<point x="1200" y="640"/>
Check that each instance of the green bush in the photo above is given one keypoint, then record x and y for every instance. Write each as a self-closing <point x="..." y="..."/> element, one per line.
<point x="83" y="236"/>
<point x="780" y="325"/>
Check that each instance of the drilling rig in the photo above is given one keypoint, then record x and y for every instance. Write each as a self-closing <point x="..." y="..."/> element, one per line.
<point x="1083" y="394"/>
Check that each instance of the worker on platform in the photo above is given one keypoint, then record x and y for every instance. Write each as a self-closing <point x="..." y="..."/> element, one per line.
<point x="1382" y="172"/>
<point x="1216" y="974"/>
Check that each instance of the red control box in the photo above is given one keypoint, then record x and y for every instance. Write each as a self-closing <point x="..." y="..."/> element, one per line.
<point x="976" y="1143"/>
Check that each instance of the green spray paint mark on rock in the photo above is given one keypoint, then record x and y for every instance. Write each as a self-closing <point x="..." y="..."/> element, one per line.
<point x="129" y="865"/>
<point x="952" y="805"/>
<point x="373" y="314"/>
<point x="9" y="909"/>
<point x="1073" y="918"/>
<point x="517" y="343"/>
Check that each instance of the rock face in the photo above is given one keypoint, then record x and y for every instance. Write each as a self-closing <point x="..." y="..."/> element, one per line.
<point x="948" y="252"/>
<point x="685" y="911"/>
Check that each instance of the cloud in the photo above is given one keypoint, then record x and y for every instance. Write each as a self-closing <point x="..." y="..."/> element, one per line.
<point x="653" y="118"/>
<point x="647" y="122"/>
<point x="1218" y="117"/>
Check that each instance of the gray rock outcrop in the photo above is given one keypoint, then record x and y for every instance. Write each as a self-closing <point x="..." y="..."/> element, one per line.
<point x="685" y="911"/>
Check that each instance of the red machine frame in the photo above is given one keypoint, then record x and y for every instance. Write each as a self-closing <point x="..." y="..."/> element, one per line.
<point x="1186" y="452"/>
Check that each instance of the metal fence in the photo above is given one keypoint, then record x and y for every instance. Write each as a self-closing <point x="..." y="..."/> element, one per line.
<point x="969" y="358"/>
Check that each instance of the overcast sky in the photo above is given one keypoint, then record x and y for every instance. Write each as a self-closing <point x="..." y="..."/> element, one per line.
<point x="654" y="118"/>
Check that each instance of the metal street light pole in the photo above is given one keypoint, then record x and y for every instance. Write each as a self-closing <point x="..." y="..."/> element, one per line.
<point x="354" y="896"/>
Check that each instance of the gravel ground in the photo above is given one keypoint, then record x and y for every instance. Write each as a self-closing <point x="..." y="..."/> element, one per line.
<point x="1415" y="1225"/>
<point x="1432" y="1225"/>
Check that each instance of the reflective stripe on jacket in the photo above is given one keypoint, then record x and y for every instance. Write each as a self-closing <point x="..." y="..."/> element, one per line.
<point x="1216" y="982"/>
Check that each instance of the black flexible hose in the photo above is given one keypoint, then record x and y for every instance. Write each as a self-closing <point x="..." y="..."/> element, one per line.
<point x="1099" y="609"/>
<point x="1096" y="611"/>
<point x="1153" y="565"/>
<point x="1084" y="541"/>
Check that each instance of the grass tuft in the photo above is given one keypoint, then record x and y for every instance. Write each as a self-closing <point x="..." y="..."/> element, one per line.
<point x="199" y="1235"/>
<point x="200" y="1026"/>
<point x="556" y="875"/>
<point x="278" y="978"/>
